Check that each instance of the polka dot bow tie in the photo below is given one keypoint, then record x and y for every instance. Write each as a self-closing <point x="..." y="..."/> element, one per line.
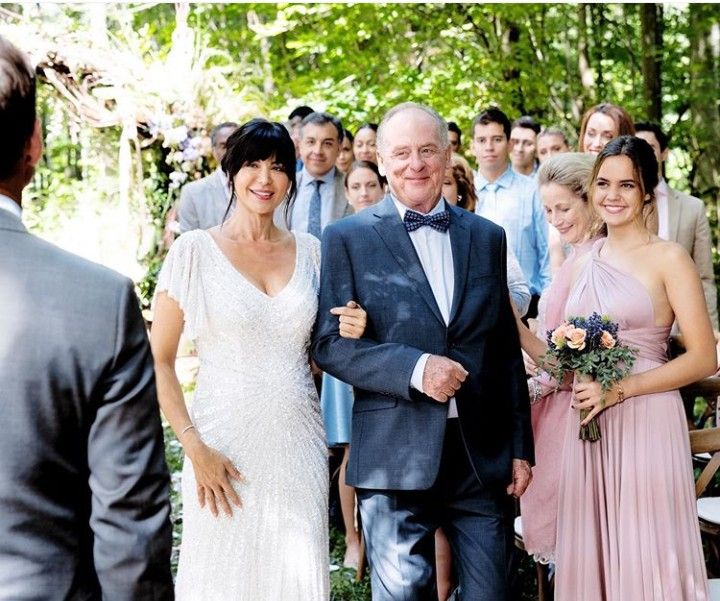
<point x="438" y="221"/>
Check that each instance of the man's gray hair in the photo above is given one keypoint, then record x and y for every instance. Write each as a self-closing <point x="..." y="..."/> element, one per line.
<point x="441" y="126"/>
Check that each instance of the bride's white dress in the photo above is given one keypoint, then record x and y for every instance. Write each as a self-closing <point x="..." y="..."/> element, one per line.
<point x="256" y="403"/>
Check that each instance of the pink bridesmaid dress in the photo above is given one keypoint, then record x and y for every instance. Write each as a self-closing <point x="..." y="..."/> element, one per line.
<point x="538" y="506"/>
<point x="627" y="525"/>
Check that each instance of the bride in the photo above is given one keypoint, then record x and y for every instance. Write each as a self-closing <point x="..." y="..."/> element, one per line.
<point x="255" y="482"/>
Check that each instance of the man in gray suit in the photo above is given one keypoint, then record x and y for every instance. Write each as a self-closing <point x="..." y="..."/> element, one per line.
<point x="320" y="198"/>
<point x="84" y="508"/>
<point x="682" y="218"/>
<point x="203" y="202"/>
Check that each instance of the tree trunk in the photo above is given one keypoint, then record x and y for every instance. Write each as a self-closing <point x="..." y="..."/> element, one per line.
<point x="586" y="75"/>
<point x="651" y="22"/>
<point x="704" y="84"/>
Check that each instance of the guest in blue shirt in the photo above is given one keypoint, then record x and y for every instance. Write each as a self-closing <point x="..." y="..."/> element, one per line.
<point x="510" y="200"/>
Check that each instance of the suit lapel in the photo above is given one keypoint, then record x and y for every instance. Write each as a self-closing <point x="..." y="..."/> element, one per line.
<point x="340" y="203"/>
<point x="673" y="215"/>
<point x="392" y="231"/>
<point x="460" y="242"/>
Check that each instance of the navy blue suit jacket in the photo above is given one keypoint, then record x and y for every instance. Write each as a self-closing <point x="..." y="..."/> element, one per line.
<point x="397" y="432"/>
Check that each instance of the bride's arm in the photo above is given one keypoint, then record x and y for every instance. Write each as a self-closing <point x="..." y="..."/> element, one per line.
<point x="686" y="298"/>
<point x="212" y="470"/>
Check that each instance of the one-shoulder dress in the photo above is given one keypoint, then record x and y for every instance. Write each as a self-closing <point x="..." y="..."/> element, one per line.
<point x="627" y="518"/>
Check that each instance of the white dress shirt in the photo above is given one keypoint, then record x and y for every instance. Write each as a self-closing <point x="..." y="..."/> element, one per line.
<point x="8" y="204"/>
<point x="435" y="254"/>
<point x="661" y="201"/>
<point x="301" y="206"/>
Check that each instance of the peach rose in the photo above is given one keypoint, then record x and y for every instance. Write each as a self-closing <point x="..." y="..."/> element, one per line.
<point x="558" y="335"/>
<point x="606" y="340"/>
<point x="576" y="338"/>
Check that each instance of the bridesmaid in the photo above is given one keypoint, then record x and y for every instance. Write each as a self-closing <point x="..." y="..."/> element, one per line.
<point x="563" y="186"/>
<point x="627" y="525"/>
<point x="363" y="188"/>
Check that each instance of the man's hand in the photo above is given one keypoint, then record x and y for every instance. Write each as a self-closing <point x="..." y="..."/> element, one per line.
<point x="521" y="477"/>
<point x="442" y="378"/>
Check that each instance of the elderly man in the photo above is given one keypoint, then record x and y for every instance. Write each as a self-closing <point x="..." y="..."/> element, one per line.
<point x="441" y="429"/>
<point x="84" y="507"/>
<point x="203" y="203"/>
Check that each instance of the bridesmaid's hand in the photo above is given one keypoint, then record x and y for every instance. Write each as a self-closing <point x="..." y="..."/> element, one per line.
<point x="213" y="472"/>
<point x="589" y="395"/>
<point x="353" y="320"/>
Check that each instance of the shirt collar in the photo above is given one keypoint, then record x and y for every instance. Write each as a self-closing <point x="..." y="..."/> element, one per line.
<point x="10" y="205"/>
<point x="503" y="181"/>
<point x="662" y="188"/>
<point x="402" y="209"/>
<point x="326" y="179"/>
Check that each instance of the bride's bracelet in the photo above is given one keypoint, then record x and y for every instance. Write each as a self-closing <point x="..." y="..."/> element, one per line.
<point x="186" y="428"/>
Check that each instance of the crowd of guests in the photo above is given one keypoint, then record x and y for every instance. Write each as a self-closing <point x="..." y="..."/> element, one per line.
<point x="445" y="439"/>
<point x="547" y="218"/>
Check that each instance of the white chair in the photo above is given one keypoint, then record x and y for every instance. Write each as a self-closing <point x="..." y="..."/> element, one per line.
<point x="714" y="589"/>
<point x="544" y="589"/>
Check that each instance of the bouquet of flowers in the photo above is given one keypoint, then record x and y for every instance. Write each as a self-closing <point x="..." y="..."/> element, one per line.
<point x="590" y="347"/>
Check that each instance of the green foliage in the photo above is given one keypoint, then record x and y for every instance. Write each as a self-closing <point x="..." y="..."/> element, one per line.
<point x="356" y="60"/>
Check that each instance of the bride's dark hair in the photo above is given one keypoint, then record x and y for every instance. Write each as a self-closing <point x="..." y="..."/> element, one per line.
<point x="258" y="140"/>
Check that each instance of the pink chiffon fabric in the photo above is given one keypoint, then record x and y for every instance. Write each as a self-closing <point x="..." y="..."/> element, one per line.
<point x="538" y="506"/>
<point x="628" y="527"/>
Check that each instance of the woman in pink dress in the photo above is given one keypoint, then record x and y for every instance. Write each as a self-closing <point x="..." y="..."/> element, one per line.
<point x="562" y="183"/>
<point x="627" y="522"/>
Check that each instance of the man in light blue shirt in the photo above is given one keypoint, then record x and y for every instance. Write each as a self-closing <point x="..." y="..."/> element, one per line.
<point x="510" y="200"/>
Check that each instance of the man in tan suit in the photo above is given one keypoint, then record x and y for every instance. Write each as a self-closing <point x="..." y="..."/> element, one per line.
<point x="682" y="218"/>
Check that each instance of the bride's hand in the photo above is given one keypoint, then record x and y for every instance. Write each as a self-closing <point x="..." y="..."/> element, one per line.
<point x="590" y="395"/>
<point x="213" y="472"/>
<point x="353" y="319"/>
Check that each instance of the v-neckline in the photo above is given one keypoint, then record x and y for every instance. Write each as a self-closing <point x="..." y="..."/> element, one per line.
<point x="245" y="279"/>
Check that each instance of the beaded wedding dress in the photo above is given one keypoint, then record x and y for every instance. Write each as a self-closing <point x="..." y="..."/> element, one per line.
<point x="256" y="403"/>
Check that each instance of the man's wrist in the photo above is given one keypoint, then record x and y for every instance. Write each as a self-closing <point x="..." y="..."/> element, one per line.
<point x="416" y="380"/>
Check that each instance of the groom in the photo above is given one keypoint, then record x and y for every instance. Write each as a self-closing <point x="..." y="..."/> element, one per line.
<point x="441" y="426"/>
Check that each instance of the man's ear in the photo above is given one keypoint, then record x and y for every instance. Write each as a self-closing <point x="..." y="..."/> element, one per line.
<point x="381" y="165"/>
<point x="34" y="145"/>
<point x="664" y="154"/>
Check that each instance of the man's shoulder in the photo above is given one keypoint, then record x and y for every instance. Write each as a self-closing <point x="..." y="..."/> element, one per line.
<point x="686" y="200"/>
<point x="478" y="223"/>
<point x="199" y="185"/>
<point x="42" y="256"/>
<point x="524" y="184"/>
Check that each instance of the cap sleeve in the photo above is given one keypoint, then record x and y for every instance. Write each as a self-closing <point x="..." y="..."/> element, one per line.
<point x="178" y="277"/>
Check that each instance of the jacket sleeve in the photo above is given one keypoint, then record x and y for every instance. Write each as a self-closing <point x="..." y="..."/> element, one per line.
<point x="381" y="367"/>
<point x="129" y="479"/>
<point x="187" y="211"/>
<point x="702" y="255"/>
<point x="507" y="343"/>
